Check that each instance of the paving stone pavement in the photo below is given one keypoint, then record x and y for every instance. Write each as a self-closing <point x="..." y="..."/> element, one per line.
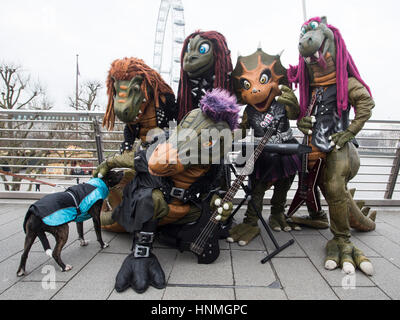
<point x="296" y="273"/>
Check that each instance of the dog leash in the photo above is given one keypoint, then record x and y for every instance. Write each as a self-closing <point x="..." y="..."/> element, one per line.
<point x="31" y="179"/>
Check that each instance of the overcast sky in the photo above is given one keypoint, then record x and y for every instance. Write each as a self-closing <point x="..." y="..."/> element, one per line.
<point x="44" y="37"/>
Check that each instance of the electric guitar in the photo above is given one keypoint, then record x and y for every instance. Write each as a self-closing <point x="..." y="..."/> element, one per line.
<point x="307" y="187"/>
<point x="201" y="237"/>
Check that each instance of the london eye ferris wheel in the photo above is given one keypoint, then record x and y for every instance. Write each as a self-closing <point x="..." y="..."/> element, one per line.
<point x="166" y="56"/>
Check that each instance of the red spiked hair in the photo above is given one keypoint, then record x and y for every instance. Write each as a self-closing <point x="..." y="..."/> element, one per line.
<point x="222" y="69"/>
<point x="126" y="69"/>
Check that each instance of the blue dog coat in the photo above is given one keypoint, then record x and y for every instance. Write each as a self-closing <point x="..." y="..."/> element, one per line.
<point x="61" y="207"/>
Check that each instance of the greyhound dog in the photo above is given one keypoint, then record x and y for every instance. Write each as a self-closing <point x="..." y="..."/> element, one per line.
<point x="53" y="212"/>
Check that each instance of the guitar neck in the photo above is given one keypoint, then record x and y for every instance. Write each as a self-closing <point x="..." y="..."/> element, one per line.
<point x="249" y="166"/>
<point x="304" y="162"/>
<point x="197" y="245"/>
<point x="304" y="159"/>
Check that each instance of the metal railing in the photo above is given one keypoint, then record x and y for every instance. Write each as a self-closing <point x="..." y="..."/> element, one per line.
<point x="64" y="148"/>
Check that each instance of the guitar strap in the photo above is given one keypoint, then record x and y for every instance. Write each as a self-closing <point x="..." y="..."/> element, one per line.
<point x="315" y="100"/>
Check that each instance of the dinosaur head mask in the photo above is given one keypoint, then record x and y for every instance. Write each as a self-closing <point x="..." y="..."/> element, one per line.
<point x="256" y="79"/>
<point x="199" y="58"/>
<point x="316" y="39"/>
<point x="205" y="54"/>
<point x="131" y="87"/>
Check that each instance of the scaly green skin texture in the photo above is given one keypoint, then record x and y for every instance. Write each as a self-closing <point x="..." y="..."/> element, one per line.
<point x="186" y="142"/>
<point x="342" y="163"/>
<point x="125" y="160"/>
<point x="128" y="99"/>
<point x="127" y="106"/>
<point x="289" y="100"/>
<point x="199" y="59"/>
<point x="245" y="232"/>
<point x="161" y="208"/>
<point x="250" y="69"/>
<point x="311" y="40"/>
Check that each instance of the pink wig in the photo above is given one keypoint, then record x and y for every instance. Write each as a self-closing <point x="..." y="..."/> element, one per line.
<point x="345" y="67"/>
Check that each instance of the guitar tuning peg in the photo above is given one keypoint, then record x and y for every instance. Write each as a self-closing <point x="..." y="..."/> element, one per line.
<point x="218" y="218"/>
<point x="217" y="202"/>
<point x="220" y="210"/>
<point x="225" y="206"/>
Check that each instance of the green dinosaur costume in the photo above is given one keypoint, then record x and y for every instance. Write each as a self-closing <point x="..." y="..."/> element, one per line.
<point x="256" y="80"/>
<point x="173" y="179"/>
<point x="140" y="98"/>
<point x="205" y="64"/>
<point x="329" y="81"/>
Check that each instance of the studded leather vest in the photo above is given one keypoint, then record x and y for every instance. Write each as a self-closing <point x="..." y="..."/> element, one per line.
<point x="327" y="118"/>
<point x="153" y="117"/>
<point x="199" y="87"/>
<point x="256" y="121"/>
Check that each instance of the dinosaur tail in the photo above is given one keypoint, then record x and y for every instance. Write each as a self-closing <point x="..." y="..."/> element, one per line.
<point x="360" y="217"/>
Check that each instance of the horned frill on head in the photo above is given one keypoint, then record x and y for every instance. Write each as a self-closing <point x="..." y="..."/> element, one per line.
<point x="261" y="62"/>
<point x="126" y="69"/>
<point x="222" y="69"/>
<point x="345" y="67"/>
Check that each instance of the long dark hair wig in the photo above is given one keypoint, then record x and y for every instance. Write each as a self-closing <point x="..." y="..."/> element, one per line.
<point x="222" y="69"/>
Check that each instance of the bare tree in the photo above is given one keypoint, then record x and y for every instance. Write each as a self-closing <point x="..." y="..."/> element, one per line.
<point x="18" y="92"/>
<point x="41" y="104"/>
<point x="87" y="94"/>
<point x="17" y="89"/>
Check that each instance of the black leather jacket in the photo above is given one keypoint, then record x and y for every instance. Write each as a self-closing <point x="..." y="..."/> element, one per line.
<point x="327" y="119"/>
<point x="255" y="119"/>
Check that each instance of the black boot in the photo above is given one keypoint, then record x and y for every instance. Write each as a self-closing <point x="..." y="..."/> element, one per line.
<point x="141" y="268"/>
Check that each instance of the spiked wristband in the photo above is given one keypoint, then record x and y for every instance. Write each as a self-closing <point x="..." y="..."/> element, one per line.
<point x="125" y="146"/>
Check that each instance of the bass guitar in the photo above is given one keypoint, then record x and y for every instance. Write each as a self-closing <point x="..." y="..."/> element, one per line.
<point x="201" y="237"/>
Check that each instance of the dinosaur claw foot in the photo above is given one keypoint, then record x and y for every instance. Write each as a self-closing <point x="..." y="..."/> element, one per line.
<point x="330" y="265"/>
<point x="367" y="268"/>
<point x="348" y="268"/>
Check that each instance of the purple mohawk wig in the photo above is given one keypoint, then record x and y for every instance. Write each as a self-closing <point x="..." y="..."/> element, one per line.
<point x="220" y="105"/>
<point x="345" y="67"/>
